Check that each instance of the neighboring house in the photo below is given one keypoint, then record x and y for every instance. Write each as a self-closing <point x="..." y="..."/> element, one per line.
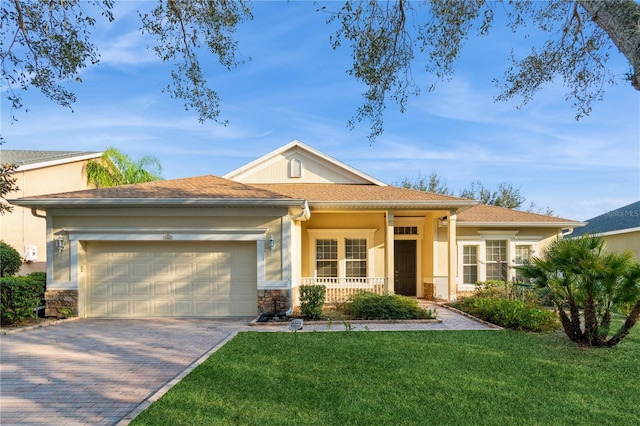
<point x="620" y="228"/>
<point x="38" y="173"/>
<point x="242" y="244"/>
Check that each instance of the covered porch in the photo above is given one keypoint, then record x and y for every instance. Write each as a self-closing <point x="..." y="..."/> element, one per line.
<point x="412" y="253"/>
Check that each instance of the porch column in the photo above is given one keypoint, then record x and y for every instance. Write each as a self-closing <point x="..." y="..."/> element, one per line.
<point x="391" y="269"/>
<point x="453" y="256"/>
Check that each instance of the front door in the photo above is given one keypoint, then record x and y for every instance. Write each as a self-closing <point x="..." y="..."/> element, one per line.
<point x="405" y="264"/>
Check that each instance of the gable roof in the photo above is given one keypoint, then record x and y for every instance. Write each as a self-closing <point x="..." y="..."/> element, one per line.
<point x="623" y="219"/>
<point x="202" y="190"/>
<point x="32" y="159"/>
<point x="244" y="173"/>
<point x="484" y="215"/>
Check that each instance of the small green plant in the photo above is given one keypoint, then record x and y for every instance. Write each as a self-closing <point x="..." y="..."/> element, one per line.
<point x="347" y="326"/>
<point x="10" y="260"/>
<point x="19" y="296"/>
<point x="371" y="306"/>
<point x="312" y="301"/>
<point x="513" y="314"/>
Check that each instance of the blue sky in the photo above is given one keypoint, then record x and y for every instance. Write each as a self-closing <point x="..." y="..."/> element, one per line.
<point x="296" y="87"/>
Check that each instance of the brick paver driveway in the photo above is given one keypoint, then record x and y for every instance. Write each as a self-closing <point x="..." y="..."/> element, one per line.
<point x="104" y="372"/>
<point x="97" y="371"/>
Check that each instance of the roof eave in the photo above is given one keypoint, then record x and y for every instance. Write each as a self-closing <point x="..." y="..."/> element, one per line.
<point x="503" y="224"/>
<point x="44" y="203"/>
<point x="57" y="162"/>
<point x="405" y="205"/>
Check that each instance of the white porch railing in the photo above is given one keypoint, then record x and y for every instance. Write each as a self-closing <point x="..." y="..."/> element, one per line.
<point x="339" y="289"/>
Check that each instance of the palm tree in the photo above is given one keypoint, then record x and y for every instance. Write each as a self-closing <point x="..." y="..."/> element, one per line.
<point x="116" y="168"/>
<point x="588" y="285"/>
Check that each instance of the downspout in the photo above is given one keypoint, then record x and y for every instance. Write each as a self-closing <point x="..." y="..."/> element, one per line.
<point x="305" y="214"/>
<point x="564" y="234"/>
<point x="34" y="212"/>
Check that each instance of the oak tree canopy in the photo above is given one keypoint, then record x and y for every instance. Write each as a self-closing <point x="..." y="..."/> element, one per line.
<point x="46" y="44"/>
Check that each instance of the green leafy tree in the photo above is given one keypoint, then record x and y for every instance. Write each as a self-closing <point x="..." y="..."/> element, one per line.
<point x="588" y="286"/>
<point x="386" y="37"/>
<point x="432" y="183"/>
<point x="46" y="44"/>
<point x="505" y="196"/>
<point x="116" y="168"/>
<point x="7" y="185"/>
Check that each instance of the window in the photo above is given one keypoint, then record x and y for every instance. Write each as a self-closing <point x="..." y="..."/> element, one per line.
<point x="470" y="264"/>
<point x="523" y="253"/>
<point x="405" y="230"/>
<point x="355" y="250"/>
<point x="327" y="258"/>
<point x="496" y="260"/>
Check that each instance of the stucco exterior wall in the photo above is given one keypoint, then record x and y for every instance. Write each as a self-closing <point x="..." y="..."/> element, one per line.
<point x="345" y="221"/>
<point x="20" y="228"/>
<point x="626" y="241"/>
<point x="137" y="221"/>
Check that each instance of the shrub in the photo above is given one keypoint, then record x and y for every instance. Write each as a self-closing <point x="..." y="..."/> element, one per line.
<point x="19" y="296"/>
<point x="513" y="314"/>
<point x="312" y="301"/>
<point x="367" y="305"/>
<point x="511" y="290"/>
<point x="10" y="260"/>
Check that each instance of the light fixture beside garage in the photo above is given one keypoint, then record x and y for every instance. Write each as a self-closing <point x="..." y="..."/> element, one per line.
<point x="60" y="244"/>
<point x="272" y="243"/>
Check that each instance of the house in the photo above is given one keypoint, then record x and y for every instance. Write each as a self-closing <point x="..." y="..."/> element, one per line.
<point x="242" y="244"/>
<point x="38" y="173"/>
<point x="620" y="228"/>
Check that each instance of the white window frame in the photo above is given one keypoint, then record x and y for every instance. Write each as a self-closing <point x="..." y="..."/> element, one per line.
<point x="513" y="240"/>
<point x="341" y="235"/>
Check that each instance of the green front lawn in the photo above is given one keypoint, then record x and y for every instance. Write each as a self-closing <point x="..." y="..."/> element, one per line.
<point x="419" y="378"/>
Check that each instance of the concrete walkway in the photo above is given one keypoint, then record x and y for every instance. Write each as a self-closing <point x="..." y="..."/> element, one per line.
<point x="105" y="372"/>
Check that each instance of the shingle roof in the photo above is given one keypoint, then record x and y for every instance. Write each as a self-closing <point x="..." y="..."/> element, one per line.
<point x="329" y="192"/>
<point x="626" y="217"/>
<point x="483" y="214"/>
<point x="203" y="187"/>
<point x="28" y="157"/>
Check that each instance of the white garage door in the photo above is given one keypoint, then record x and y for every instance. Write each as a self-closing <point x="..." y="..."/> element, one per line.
<point x="171" y="279"/>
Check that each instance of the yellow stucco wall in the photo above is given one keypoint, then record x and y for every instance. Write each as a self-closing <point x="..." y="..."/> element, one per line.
<point x="346" y="220"/>
<point x="621" y="242"/>
<point x="20" y="228"/>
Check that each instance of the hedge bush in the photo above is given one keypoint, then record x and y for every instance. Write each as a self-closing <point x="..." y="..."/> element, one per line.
<point x="371" y="306"/>
<point x="513" y="314"/>
<point x="10" y="260"/>
<point x="19" y="296"/>
<point x="312" y="301"/>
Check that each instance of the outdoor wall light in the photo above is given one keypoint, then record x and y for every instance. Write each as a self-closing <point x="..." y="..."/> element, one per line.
<point x="60" y="244"/>
<point x="272" y="243"/>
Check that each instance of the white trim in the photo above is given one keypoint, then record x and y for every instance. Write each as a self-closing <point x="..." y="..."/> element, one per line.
<point x="341" y="234"/>
<point x="57" y="162"/>
<point x="615" y="232"/>
<point x="418" y="222"/>
<point x="166" y="234"/>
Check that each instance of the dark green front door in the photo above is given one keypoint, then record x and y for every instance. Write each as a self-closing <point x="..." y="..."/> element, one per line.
<point x="405" y="267"/>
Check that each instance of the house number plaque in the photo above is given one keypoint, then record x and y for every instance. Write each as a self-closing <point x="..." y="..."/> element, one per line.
<point x="167" y="237"/>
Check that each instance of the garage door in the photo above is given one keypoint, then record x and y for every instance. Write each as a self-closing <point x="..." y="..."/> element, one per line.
<point x="171" y="279"/>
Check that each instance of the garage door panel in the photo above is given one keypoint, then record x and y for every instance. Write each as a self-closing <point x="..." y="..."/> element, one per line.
<point x="141" y="289"/>
<point x="178" y="279"/>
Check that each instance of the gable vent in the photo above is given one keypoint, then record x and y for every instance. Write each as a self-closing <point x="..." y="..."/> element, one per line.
<point x="295" y="168"/>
